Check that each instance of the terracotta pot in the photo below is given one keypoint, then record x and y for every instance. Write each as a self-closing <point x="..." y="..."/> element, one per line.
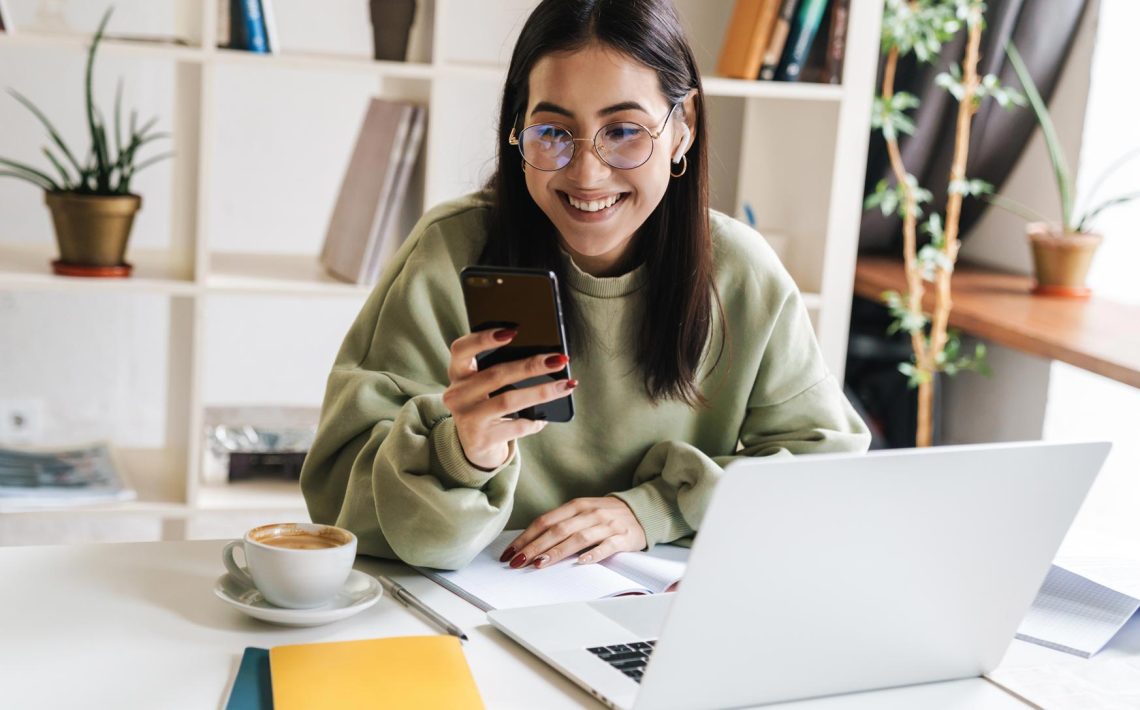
<point x="92" y="230"/>
<point x="1061" y="261"/>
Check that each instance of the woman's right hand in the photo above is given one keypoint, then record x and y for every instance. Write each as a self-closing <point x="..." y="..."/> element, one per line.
<point x="481" y="420"/>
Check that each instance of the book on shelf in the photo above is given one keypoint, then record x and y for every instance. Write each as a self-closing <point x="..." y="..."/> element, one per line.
<point x="490" y="584"/>
<point x="804" y="29"/>
<point x="224" y="24"/>
<point x="775" y="49"/>
<point x="32" y="479"/>
<point x="247" y="26"/>
<point x="364" y="229"/>
<point x="815" y="66"/>
<point x="269" y="22"/>
<point x="747" y="36"/>
<point x="837" y="41"/>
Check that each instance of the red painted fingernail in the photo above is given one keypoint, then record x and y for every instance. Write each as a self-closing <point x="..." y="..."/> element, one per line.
<point x="518" y="561"/>
<point x="558" y="360"/>
<point x="504" y="335"/>
<point x="541" y="560"/>
<point x="570" y="384"/>
<point x="507" y="554"/>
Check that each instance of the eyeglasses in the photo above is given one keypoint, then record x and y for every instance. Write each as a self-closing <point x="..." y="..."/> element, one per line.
<point x="623" y="145"/>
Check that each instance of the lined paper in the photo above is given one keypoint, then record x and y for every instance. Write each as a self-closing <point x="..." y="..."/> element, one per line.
<point x="1075" y="614"/>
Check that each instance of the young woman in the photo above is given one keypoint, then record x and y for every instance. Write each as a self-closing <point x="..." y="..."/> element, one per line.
<point x="688" y="339"/>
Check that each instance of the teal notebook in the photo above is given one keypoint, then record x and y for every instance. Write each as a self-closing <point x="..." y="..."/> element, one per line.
<point x="252" y="688"/>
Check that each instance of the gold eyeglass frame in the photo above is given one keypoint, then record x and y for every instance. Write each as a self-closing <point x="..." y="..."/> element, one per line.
<point x="513" y="139"/>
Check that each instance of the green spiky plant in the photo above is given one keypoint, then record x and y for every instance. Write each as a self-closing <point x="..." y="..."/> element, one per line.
<point x="108" y="169"/>
<point x="1073" y="220"/>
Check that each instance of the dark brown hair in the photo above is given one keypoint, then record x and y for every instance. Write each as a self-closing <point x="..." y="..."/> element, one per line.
<point x="674" y="242"/>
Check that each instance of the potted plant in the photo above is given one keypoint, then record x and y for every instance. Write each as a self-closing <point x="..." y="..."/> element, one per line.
<point x="1062" y="251"/>
<point x="91" y="202"/>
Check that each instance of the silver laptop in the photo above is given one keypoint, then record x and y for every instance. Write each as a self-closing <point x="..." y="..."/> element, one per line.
<point x="831" y="574"/>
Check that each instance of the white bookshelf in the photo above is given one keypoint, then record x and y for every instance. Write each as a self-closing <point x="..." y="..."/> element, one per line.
<point x="795" y="152"/>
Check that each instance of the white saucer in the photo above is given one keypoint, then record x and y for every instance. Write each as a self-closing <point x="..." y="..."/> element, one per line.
<point x="360" y="591"/>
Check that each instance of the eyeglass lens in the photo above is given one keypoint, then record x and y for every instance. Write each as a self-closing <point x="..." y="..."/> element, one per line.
<point x="548" y="146"/>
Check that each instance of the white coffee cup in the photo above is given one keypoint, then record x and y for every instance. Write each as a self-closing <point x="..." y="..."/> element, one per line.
<point x="294" y="565"/>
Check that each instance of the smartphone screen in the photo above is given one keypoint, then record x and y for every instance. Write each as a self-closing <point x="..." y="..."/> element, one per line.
<point x="524" y="300"/>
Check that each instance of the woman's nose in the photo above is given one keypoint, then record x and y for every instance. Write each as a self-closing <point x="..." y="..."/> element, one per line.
<point x="586" y="166"/>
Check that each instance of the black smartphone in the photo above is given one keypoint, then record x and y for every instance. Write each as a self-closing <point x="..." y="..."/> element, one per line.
<point x="524" y="300"/>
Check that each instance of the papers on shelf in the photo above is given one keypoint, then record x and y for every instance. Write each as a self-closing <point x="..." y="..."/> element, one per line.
<point x="1082" y="604"/>
<point x="31" y="479"/>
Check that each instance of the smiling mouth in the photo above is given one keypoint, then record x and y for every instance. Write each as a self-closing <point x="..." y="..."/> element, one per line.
<point x="594" y="206"/>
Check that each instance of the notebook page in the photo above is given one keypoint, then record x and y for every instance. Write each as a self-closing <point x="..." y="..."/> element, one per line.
<point x="497" y="586"/>
<point x="1074" y="614"/>
<point x="656" y="570"/>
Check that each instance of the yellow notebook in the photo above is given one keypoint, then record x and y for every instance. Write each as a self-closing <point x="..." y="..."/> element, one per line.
<point x="405" y="672"/>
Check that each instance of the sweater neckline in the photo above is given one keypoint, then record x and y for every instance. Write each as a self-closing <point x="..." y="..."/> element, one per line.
<point x="603" y="286"/>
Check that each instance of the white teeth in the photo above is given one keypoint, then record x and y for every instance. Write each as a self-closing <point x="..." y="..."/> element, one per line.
<point x="593" y="205"/>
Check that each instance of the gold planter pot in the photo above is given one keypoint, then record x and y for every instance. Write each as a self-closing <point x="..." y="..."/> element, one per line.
<point x="92" y="230"/>
<point x="1061" y="261"/>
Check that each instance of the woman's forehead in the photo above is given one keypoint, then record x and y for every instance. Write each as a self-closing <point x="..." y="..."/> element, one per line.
<point x="588" y="80"/>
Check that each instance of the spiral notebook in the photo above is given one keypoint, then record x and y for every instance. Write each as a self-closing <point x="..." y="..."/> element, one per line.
<point x="490" y="584"/>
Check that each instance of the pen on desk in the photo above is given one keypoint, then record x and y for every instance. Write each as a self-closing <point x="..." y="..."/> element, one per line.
<point x="408" y="599"/>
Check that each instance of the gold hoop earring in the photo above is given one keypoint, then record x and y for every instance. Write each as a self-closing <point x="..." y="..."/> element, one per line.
<point x="684" y="167"/>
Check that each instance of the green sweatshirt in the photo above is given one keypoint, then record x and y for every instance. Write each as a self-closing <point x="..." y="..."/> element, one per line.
<point x="387" y="463"/>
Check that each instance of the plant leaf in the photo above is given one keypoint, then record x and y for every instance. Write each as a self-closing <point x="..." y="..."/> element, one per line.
<point x="26" y="178"/>
<point x="47" y="124"/>
<point x="1087" y="219"/>
<point x="1027" y="213"/>
<point x="1048" y="130"/>
<point x="66" y="184"/>
<point x="100" y="154"/>
<point x="47" y="182"/>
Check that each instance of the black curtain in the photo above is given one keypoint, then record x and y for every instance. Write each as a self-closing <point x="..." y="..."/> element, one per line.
<point x="1043" y="32"/>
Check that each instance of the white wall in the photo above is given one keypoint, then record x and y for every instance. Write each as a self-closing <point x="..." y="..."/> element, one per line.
<point x="1083" y="405"/>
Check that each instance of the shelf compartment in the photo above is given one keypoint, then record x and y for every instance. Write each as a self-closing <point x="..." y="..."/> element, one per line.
<point x="136" y="49"/>
<point x="251" y="495"/>
<point x="28" y="267"/>
<point x="299" y="274"/>
<point x="325" y="62"/>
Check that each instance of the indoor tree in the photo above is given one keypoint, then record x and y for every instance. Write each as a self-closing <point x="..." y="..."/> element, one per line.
<point x="922" y="28"/>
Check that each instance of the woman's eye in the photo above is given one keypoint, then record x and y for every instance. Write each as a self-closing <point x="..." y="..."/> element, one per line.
<point x="622" y="133"/>
<point x="551" y="133"/>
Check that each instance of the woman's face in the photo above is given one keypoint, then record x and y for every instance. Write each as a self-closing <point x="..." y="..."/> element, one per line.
<point x="583" y="91"/>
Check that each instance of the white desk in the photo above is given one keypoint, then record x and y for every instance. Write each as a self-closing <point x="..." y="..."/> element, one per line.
<point x="138" y="626"/>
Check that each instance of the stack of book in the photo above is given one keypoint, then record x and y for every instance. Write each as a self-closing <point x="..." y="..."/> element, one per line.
<point x="782" y="40"/>
<point x="248" y="24"/>
<point x="365" y="228"/>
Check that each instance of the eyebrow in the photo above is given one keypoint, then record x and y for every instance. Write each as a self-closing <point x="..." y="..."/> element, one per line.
<point x="607" y="111"/>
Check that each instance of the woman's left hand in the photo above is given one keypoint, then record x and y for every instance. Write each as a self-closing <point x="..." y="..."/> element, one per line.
<point x="605" y="524"/>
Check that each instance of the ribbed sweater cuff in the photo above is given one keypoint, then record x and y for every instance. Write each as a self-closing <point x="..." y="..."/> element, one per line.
<point x="658" y="515"/>
<point x="451" y="463"/>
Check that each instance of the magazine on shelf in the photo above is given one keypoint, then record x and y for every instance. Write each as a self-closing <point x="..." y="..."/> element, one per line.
<point x="362" y="233"/>
<point x="46" y="478"/>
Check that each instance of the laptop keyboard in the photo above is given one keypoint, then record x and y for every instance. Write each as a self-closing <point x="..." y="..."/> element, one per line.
<point x="629" y="658"/>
